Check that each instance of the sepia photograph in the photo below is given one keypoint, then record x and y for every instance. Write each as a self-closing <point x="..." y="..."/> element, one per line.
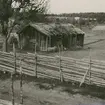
<point x="52" y="52"/>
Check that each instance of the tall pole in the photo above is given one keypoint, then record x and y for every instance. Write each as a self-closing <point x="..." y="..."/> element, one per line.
<point x="14" y="52"/>
<point x="60" y="69"/>
<point x="12" y="88"/>
<point x="21" y="83"/>
<point x="35" y="46"/>
<point x="35" y="59"/>
<point x="90" y="63"/>
<point x="12" y="74"/>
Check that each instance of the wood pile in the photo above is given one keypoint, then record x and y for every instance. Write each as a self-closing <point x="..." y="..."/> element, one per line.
<point x="91" y="72"/>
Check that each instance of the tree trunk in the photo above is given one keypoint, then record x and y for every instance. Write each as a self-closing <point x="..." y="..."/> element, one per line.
<point x="4" y="33"/>
<point x="5" y="45"/>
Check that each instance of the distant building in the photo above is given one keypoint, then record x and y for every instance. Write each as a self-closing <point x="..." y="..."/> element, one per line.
<point x="62" y="19"/>
<point x="77" y="18"/>
<point x="50" y="35"/>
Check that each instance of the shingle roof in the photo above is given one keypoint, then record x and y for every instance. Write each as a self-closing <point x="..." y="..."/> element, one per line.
<point x="55" y="29"/>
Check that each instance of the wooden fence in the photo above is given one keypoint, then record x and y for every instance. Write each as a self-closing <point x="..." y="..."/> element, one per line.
<point x="58" y="67"/>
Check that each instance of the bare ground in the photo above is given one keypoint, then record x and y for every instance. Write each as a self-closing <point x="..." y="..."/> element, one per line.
<point x="51" y="92"/>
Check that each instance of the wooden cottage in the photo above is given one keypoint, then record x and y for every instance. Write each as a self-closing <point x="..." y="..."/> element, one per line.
<point x="50" y="35"/>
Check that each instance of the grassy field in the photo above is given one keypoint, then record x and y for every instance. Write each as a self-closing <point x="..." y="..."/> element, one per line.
<point x="94" y="45"/>
<point x="51" y="92"/>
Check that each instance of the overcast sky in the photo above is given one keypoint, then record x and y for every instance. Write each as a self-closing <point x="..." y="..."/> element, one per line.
<point x="70" y="6"/>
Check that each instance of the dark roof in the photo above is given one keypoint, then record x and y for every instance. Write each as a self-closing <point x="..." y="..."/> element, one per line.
<point x="54" y="29"/>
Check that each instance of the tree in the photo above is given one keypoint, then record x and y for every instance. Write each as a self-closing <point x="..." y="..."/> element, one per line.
<point x="19" y="10"/>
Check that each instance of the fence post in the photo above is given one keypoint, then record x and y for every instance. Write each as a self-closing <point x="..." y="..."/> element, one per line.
<point x="35" y="61"/>
<point x="90" y="71"/>
<point x="87" y="72"/>
<point x="21" y="83"/>
<point x="13" y="73"/>
<point x="60" y="68"/>
<point x="12" y="88"/>
<point x="90" y="64"/>
<point x="14" y="53"/>
<point x="36" y="65"/>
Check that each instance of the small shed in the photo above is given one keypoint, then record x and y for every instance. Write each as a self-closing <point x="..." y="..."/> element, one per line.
<point x="50" y="35"/>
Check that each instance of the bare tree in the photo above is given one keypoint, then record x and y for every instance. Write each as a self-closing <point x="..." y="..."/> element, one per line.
<point x="18" y="10"/>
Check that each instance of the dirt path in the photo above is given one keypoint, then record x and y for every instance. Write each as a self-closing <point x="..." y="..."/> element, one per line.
<point x="41" y="92"/>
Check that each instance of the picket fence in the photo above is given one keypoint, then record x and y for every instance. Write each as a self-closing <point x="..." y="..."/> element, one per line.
<point x="90" y="72"/>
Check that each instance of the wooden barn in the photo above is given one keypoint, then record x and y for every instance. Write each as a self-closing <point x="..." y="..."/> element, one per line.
<point x="47" y="36"/>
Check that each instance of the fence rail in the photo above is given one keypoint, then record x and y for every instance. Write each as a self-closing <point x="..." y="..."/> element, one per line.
<point x="62" y="68"/>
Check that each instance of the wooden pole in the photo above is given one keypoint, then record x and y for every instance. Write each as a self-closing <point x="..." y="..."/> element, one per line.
<point x="12" y="74"/>
<point x="12" y="88"/>
<point x="21" y="83"/>
<point x="88" y="71"/>
<point x="60" y="69"/>
<point x="35" y="59"/>
<point x="14" y="52"/>
<point x="84" y="77"/>
<point x="90" y="64"/>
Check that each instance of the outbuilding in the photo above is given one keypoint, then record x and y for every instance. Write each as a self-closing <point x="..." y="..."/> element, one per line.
<point x="50" y="35"/>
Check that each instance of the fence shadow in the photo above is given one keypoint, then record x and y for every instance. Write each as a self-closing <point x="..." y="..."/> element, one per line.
<point x="71" y="88"/>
